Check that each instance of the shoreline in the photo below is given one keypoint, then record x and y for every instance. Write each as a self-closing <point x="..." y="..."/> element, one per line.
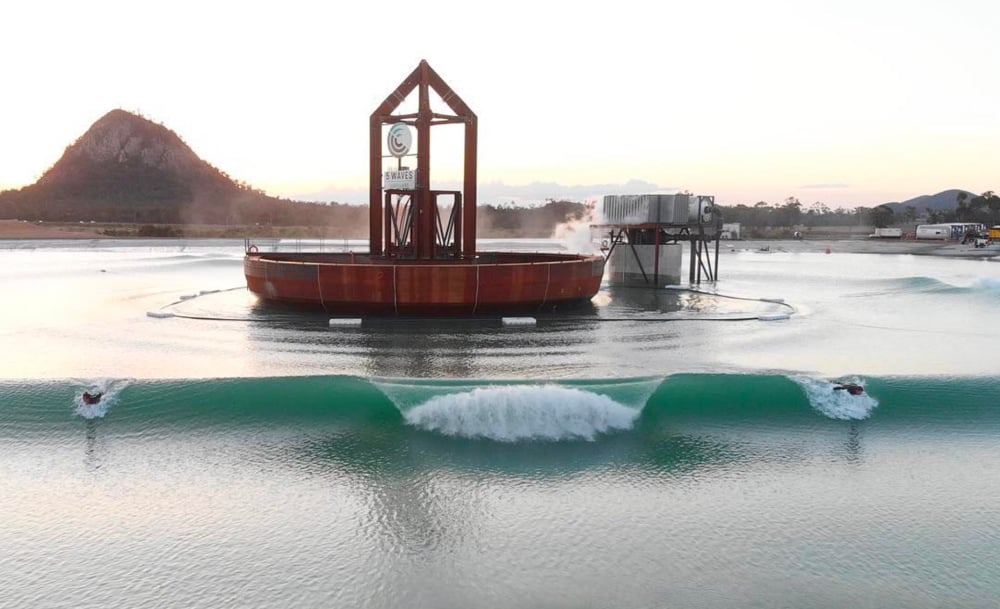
<point x="947" y="249"/>
<point x="14" y="230"/>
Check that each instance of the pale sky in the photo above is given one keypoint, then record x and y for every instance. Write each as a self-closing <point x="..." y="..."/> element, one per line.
<point x="845" y="102"/>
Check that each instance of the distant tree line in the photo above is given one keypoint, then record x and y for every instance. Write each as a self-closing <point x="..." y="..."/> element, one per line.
<point x="792" y="213"/>
<point x="984" y="208"/>
<point x="981" y="209"/>
<point x="220" y="205"/>
<point x="541" y="221"/>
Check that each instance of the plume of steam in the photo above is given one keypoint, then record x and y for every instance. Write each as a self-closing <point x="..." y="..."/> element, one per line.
<point x="575" y="234"/>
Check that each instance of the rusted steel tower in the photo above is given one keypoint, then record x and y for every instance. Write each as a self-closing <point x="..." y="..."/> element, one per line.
<point x="422" y="216"/>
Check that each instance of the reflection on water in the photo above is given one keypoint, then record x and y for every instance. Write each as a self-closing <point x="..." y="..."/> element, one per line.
<point x="293" y="491"/>
<point x="95" y="447"/>
<point x="853" y="312"/>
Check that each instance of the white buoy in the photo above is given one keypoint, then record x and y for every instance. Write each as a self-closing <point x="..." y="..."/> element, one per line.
<point x="518" y="321"/>
<point x="159" y="314"/>
<point x="345" y="322"/>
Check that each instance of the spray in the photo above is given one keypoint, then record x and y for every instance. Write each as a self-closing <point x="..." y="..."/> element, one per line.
<point x="575" y="235"/>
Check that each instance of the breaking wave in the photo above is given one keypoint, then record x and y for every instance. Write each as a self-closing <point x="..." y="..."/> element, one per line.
<point x="498" y="410"/>
<point x="523" y="412"/>
<point x="836" y="404"/>
<point x="109" y="391"/>
<point x="987" y="284"/>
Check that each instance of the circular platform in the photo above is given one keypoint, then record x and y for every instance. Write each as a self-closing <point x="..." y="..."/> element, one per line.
<point x="358" y="284"/>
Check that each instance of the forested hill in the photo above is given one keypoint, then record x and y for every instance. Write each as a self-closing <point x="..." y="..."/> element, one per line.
<point x="945" y="200"/>
<point x="126" y="168"/>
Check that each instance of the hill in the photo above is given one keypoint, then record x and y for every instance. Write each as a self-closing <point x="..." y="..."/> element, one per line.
<point x="126" y="168"/>
<point x="945" y="200"/>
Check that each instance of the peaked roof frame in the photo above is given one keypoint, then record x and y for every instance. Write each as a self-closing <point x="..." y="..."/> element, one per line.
<point x="423" y="79"/>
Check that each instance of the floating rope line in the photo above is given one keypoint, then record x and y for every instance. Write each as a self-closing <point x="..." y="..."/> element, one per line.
<point x="163" y="312"/>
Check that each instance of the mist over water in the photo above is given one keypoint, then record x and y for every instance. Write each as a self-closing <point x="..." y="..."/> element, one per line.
<point x="656" y="448"/>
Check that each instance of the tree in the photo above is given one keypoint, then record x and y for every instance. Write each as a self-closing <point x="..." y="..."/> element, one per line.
<point x="964" y="212"/>
<point x="819" y="209"/>
<point x="790" y="213"/>
<point x="988" y="206"/>
<point x="882" y="216"/>
<point x="760" y="208"/>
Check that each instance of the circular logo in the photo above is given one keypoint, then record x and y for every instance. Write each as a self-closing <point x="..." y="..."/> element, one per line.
<point x="399" y="140"/>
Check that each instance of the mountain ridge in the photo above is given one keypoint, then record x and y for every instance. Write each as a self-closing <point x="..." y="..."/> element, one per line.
<point x="945" y="200"/>
<point x="128" y="168"/>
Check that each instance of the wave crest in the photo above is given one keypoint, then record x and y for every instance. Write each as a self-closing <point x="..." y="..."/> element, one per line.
<point x="987" y="284"/>
<point x="510" y="413"/>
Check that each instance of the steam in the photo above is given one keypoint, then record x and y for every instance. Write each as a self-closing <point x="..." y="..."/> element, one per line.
<point x="575" y="234"/>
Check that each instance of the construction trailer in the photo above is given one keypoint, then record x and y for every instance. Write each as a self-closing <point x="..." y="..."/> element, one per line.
<point x="949" y="231"/>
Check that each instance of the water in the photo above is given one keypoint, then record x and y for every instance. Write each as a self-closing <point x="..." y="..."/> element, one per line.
<point x="657" y="449"/>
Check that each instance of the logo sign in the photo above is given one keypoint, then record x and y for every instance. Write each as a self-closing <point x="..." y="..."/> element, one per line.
<point x="399" y="140"/>
<point x="404" y="179"/>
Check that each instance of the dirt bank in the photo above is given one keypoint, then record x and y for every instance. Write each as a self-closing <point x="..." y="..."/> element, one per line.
<point x="865" y="246"/>
<point x="16" y="229"/>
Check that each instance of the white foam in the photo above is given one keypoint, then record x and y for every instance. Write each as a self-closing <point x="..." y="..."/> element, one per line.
<point x="836" y="404"/>
<point x="773" y="317"/>
<point x="508" y="413"/>
<point x="109" y="390"/>
<point x="345" y="322"/>
<point x="988" y="284"/>
<point x="518" y="321"/>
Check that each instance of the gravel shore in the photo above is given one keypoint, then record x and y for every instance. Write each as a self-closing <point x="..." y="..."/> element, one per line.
<point x="13" y="229"/>
<point x="865" y="246"/>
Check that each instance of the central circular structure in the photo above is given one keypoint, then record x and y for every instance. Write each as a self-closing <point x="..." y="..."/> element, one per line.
<point x="422" y="257"/>
<point x="494" y="283"/>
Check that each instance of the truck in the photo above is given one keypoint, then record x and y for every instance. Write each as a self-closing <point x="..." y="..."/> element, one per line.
<point x="887" y="233"/>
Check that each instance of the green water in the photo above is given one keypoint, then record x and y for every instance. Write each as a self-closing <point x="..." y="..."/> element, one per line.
<point x="723" y="490"/>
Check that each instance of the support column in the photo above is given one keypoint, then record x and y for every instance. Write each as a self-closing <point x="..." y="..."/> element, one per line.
<point x="469" y="188"/>
<point x="375" y="186"/>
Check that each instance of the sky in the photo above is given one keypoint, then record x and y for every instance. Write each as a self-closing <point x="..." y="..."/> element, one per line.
<point x="845" y="102"/>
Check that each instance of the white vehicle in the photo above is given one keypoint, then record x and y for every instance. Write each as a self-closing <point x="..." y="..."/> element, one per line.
<point x="887" y="233"/>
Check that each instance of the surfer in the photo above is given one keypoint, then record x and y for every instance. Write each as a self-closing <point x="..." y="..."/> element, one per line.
<point x="850" y="388"/>
<point x="92" y="398"/>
